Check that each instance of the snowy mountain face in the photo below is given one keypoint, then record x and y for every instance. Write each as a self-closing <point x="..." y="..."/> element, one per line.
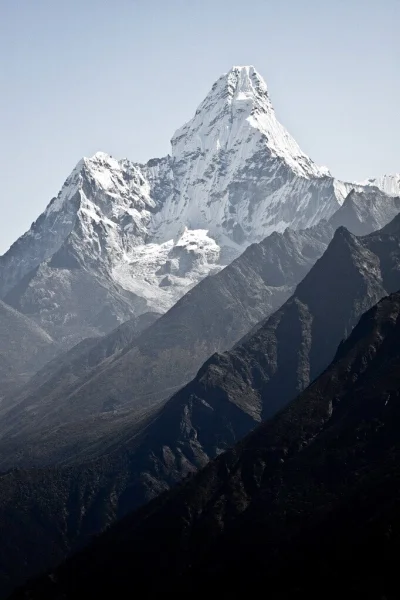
<point x="233" y="156"/>
<point x="123" y="238"/>
<point x="390" y="184"/>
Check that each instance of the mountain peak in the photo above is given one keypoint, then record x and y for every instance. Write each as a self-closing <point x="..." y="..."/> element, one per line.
<point x="101" y="159"/>
<point x="238" y="112"/>
<point x="246" y="83"/>
<point x="246" y="68"/>
<point x="100" y="156"/>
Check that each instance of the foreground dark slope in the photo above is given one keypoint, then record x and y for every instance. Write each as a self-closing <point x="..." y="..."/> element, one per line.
<point x="234" y="391"/>
<point x="24" y="348"/>
<point x="210" y="318"/>
<point x="305" y="506"/>
<point x="62" y="507"/>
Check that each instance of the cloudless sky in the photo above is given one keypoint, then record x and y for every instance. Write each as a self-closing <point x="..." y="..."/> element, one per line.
<point x="77" y="76"/>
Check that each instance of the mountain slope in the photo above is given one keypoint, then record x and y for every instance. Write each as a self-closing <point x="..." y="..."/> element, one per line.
<point x="307" y="502"/>
<point x="210" y="318"/>
<point x="61" y="376"/>
<point x="228" y="398"/>
<point x="234" y="391"/>
<point x="24" y="348"/>
<point x="366" y="211"/>
<point x="121" y="238"/>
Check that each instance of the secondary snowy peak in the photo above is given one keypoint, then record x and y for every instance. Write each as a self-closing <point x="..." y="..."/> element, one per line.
<point x="390" y="184"/>
<point x="237" y="107"/>
<point x="103" y="209"/>
<point x="117" y="202"/>
<point x="114" y="187"/>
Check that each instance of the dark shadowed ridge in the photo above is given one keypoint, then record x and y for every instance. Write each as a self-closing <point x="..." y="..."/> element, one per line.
<point x="308" y="502"/>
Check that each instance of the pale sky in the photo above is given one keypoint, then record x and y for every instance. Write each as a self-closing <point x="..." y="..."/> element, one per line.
<point x="77" y="76"/>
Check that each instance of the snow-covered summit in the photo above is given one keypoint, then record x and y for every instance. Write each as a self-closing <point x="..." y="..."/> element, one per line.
<point x="238" y="173"/>
<point x="120" y="179"/>
<point x="238" y="111"/>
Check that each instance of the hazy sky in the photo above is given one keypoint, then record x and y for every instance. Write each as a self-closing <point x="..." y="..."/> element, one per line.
<point x="77" y="76"/>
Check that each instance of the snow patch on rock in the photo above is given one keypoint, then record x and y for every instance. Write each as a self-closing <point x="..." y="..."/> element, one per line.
<point x="162" y="273"/>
